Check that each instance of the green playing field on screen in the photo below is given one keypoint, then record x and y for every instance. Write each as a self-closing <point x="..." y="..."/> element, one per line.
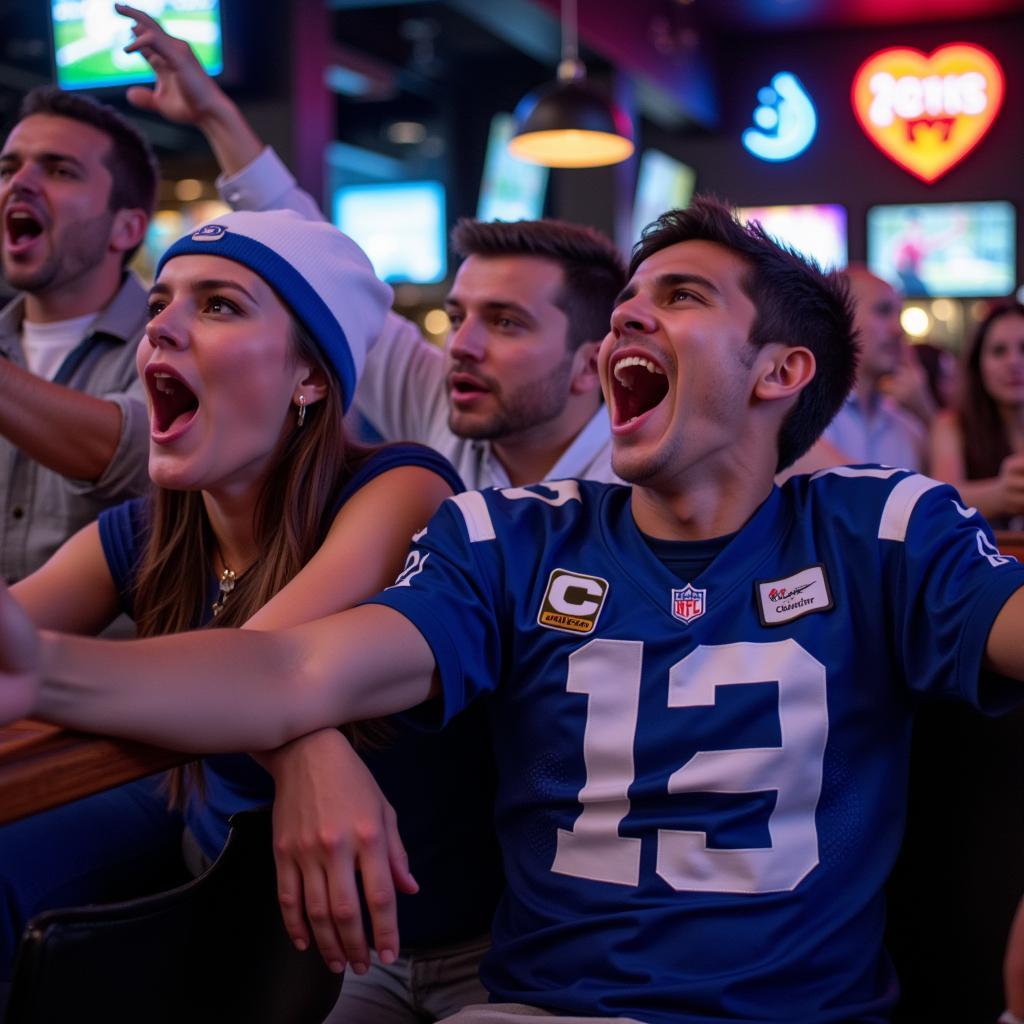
<point x="89" y="38"/>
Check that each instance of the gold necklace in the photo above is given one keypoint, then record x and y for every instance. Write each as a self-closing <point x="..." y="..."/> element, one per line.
<point x="225" y="585"/>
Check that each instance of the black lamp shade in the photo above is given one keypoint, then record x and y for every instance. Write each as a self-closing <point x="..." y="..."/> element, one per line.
<point x="570" y="124"/>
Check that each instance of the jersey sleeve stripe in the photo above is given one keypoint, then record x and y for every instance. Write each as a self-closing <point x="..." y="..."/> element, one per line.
<point x="878" y="472"/>
<point x="474" y="511"/>
<point x="900" y="504"/>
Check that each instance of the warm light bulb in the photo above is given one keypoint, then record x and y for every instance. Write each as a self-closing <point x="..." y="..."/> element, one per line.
<point x="915" y="321"/>
<point x="188" y="189"/>
<point x="571" y="148"/>
<point x="406" y="133"/>
<point x="436" y="322"/>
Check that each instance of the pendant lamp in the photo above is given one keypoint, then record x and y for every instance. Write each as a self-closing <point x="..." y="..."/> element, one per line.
<point x="567" y="123"/>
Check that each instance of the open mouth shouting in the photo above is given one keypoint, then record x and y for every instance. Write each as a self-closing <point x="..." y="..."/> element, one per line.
<point x="173" y="404"/>
<point x="638" y="385"/>
<point x="466" y="388"/>
<point x="21" y="229"/>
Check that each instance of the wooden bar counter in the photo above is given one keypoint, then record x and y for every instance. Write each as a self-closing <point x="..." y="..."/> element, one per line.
<point x="1011" y="543"/>
<point x="42" y="766"/>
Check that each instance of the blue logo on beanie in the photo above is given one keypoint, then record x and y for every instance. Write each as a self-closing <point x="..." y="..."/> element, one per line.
<point x="209" y="233"/>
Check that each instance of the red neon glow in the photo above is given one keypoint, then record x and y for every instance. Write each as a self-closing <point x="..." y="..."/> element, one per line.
<point x="926" y="112"/>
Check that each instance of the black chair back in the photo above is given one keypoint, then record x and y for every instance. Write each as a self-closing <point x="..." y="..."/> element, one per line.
<point x="960" y="873"/>
<point x="213" y="950"/>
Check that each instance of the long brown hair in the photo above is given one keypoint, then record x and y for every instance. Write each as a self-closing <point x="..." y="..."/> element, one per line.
<point x="986" y="442"/>
<point x="292" y="515"/>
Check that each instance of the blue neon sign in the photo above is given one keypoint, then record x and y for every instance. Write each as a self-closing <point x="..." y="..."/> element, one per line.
<point x="785" y="121"/>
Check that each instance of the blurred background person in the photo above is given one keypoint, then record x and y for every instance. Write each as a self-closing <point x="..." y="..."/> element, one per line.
<point x="871" y="426"/>
<point x="884" y="418"/>
<point x="978" y="446"/>
<point x="939" y="385"/>
<point x="910" y="385"/>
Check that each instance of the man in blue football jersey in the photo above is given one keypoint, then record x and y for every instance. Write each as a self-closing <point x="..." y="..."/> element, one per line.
<point x="701" y="685"/>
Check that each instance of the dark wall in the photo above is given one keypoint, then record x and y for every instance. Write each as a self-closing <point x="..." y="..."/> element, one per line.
<point x="842" y="165"/>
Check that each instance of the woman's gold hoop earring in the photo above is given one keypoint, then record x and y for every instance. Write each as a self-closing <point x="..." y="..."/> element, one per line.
<point x="302" y="410"/>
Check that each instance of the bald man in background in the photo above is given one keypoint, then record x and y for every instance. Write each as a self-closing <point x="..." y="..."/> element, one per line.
<point x="871" y="425"/>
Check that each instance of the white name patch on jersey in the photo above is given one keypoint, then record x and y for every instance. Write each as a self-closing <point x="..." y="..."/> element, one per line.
<point x="786" y="599"/>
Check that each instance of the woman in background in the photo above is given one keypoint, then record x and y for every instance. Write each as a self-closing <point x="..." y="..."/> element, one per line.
<point x="979" y="445"/>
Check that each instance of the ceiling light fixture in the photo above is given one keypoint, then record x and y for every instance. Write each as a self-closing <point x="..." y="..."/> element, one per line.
<point x="567" y="123"/>
<point x="406" y="133"/>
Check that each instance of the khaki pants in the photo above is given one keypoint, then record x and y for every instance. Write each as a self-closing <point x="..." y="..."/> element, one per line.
<point x="514" y="1013"/>
<point x="422" y="984"/>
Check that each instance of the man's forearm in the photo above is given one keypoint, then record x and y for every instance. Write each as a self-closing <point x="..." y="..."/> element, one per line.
<point x="236" y="690"/>
<point x="189" y="692"/>
<point x="72" y="433"/>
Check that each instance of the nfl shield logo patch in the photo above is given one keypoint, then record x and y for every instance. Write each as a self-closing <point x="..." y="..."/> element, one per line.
<point x="688" y="603"/>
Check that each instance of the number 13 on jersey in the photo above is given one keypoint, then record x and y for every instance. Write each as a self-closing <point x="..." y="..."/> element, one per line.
<point x="609" y="673"/>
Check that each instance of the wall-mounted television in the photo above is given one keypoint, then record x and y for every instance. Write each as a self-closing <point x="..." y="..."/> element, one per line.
<point x="662" y="183"/>
<point x="167" y="225"/>
<point x="400" y="225"/>
<point x="817" y="230"/>
<point x="89" y="38"/>
<point x="946" y="249"/>
<point x="510" y="189"/>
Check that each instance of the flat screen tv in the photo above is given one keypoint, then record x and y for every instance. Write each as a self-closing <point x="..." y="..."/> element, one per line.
<point x="510" y="189"/>
<point x="945" y="249"/>
<point x="400" y="225"/>
<point x="166" y="226"/>
<point x="89" y="38"/>
<point x="817" y="230"/>
<point x="662" y="183"/>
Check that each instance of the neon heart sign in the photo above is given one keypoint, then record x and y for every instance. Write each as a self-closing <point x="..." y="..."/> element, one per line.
<point x="928" y="111"/>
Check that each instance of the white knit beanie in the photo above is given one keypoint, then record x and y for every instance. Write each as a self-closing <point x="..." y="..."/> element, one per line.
<point x="324" y="278"/>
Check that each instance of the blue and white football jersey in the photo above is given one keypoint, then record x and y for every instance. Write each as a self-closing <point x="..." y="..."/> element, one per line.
<point x="702" y="785"/>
